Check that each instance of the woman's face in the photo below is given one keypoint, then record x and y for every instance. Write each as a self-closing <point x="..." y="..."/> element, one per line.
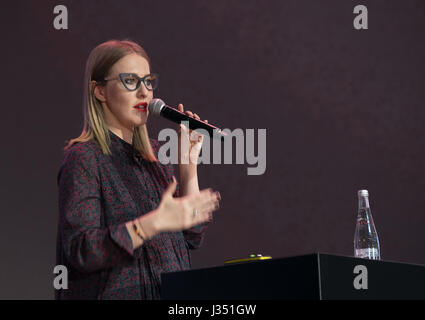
<point x="119" y="103"/>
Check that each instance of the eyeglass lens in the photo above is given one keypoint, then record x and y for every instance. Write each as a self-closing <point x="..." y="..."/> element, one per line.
<point x="131" y="81"/>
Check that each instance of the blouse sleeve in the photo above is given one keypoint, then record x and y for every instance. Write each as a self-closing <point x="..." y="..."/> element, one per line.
<point x="195" y="235"/>
<point x="87" y="245"/>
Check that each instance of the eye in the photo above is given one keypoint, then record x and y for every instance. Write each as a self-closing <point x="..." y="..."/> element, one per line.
<point x="130" y="80"/>
<point x="150" y="80"/>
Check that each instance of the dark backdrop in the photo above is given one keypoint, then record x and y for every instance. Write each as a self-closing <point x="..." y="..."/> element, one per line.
<point x="343" y="109"/>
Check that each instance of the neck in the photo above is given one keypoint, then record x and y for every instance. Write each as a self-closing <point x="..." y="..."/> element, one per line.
<point x="124" y="133"/>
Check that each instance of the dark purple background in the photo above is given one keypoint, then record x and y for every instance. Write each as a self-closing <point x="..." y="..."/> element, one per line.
<point x="343" y="109"/>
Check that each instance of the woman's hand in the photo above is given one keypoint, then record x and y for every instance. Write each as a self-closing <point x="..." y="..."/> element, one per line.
<point x="177" y="214"/>
<point x="190" y="143"/>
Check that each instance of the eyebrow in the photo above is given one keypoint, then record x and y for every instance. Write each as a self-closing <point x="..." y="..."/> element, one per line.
<point x="136" y="74"/>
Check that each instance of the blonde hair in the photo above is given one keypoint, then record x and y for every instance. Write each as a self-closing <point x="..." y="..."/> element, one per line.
<point x="99" y="62"/>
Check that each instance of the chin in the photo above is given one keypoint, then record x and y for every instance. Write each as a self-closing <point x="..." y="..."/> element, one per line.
<point x="140" y="121"/>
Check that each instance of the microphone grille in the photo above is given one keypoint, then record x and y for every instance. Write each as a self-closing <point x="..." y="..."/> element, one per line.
<point x="155" y="106"/>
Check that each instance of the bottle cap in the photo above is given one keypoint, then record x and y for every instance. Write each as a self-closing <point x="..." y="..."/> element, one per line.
<point x="363" y="193"/>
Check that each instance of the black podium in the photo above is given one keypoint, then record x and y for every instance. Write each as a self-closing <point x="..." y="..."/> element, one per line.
<point x="309" y="277"/>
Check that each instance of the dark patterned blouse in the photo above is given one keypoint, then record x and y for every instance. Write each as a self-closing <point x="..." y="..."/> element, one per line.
<point x="98" y="194"/>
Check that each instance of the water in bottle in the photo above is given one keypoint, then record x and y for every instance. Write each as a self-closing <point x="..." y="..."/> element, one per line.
<point x="366" y="242"/>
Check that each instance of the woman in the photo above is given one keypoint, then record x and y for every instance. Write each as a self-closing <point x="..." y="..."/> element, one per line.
<point x="120" y="226"/>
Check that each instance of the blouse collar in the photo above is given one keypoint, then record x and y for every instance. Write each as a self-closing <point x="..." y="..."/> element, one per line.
<point x="120" y="146"/>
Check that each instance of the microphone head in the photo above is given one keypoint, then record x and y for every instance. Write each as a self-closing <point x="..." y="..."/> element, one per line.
<point x="155" y="106"/>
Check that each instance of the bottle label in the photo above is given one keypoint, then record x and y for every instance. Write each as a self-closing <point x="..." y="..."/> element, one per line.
<point x="367" y="253"/>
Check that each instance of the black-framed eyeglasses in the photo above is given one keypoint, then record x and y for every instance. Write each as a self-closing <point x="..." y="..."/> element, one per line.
<point x="132" y="81"/>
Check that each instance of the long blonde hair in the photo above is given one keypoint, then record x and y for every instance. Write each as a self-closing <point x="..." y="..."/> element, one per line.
<point x="99" y="62"/>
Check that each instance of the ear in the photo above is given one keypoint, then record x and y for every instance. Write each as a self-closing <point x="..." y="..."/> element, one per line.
<point x="99" y="91"/>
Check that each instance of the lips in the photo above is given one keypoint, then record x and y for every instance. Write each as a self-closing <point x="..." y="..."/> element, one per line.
<point x="142" y="106"/>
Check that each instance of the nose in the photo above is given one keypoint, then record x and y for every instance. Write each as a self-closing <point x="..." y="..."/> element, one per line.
<point x="142" y="91"/>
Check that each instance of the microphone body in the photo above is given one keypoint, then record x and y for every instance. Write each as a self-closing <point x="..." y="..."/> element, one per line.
<point x="158" y="107"/>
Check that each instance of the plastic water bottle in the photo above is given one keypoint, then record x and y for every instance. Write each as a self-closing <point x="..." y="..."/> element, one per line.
<point x="366" y="242"/>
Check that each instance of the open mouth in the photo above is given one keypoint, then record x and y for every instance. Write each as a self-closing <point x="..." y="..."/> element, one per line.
<point x="143" y="106"/>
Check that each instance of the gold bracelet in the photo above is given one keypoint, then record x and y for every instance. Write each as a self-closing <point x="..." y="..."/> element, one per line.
<point x="136" y="230"/>
<point x="143" y="230"/>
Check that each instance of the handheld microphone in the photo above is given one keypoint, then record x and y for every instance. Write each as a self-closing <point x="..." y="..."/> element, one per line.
<point x="158" y="107"/>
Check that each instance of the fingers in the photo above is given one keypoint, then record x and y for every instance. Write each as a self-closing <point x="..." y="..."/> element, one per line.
<point x="209" y="208"/>
<point x="198" y="137"/>
<point x="205" y="199"/>
<point x="205" y="202"/>
<point x="190" y="113"/>
<point x="210" y="201"/>
<point x="193" y="115"/>
<point x="176" y="214"/>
